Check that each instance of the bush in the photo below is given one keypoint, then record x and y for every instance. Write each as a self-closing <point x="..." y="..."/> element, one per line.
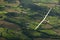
<point x="11" y="14"/>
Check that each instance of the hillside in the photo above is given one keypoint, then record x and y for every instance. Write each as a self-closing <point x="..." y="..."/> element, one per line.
<point x="19" y="18"/>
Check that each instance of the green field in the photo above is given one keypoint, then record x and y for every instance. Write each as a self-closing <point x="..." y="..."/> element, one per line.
<point x="19" y="18"/>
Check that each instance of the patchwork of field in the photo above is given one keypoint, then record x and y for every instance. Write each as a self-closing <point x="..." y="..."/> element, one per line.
<point x="18" y="19"/>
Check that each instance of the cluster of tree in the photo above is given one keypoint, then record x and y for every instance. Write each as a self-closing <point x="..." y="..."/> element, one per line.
<point x="10" y="1"/>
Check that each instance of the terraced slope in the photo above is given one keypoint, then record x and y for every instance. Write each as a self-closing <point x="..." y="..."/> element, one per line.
<point x="18" y="19"/>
